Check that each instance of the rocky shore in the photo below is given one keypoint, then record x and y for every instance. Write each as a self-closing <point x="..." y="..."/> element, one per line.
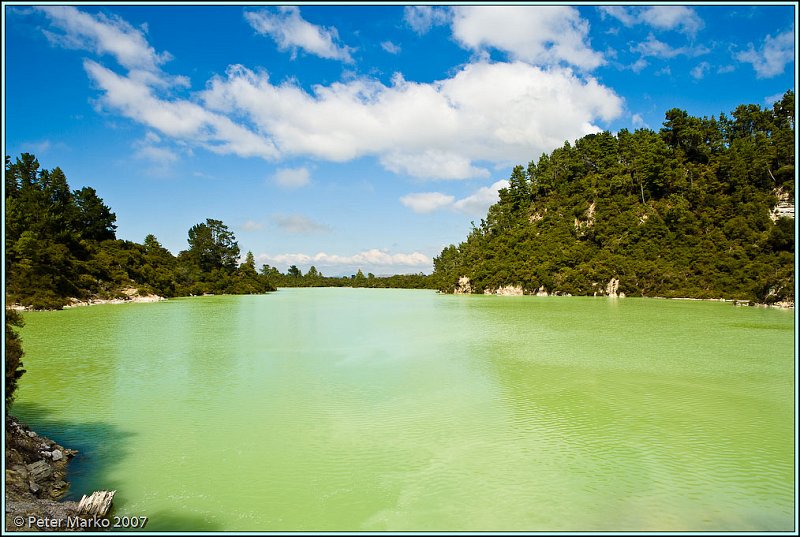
<point x="36" y="469"/>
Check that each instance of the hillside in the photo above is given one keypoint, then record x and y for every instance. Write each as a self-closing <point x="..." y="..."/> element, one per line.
<point x="703" y="208"/>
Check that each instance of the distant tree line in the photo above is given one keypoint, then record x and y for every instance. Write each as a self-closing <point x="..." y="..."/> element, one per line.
<point x="686" y="211"/>
<point x="294" y="277"/>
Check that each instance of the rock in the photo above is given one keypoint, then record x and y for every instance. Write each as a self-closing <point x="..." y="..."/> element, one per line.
<point x="57" y="455"/>
<point x="509" y="290"/>
<point x="32" y="434"/>
<point x="612" y="287"/>
<point x="39" y="470"/>
<point x="464" y="287"/>
<point x="70" y="452"/>
<point x="542" y="291"/>
<point x="34" y="488"/>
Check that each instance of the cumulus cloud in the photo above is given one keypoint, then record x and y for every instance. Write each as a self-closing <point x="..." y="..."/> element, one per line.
<point x="291" y="32"/>
<point x="292" y="177"/>
<point x="680" y="18"/>
<point x="104" y="35"/>
<point x="426" y="202"/>
<point x="638" y="121"/>
<point x="298" y="224"/>
<point x="422" y="18"/>
<point x="771" y="59"/>
<point x="483" y="114"/>
<point x="475" y="204"/>
<point x="543" y="35"/>
<point x="179" y="118"/>
<point x="367" y="258"/>
<point x="496" y="112"/>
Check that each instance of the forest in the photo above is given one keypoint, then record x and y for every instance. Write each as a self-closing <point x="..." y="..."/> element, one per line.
<point x="61" y="245"/>
<point x="693" y="210"/>
<point x="689" y="211"/>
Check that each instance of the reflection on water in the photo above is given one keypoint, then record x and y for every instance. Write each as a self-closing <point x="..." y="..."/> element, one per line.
<point x="354" y="410"/>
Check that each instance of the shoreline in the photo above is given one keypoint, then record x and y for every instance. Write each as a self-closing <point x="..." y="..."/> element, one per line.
<point x="77" y="303"/>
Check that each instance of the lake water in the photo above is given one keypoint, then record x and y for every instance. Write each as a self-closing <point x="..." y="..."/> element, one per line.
<point x="395" y="410"/>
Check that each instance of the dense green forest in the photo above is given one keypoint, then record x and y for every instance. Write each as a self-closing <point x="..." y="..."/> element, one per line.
<point x="61" y="244"/>
<point x="688" y="211"/>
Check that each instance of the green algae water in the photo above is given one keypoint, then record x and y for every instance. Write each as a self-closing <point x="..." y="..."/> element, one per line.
<point x="398" y="410"/>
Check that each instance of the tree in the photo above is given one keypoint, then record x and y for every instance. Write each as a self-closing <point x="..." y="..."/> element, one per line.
<point x="212" y="246"/>
<point x="294" y="272"/>
<point x="94" y="220"/>
<point x="13" y="354"/>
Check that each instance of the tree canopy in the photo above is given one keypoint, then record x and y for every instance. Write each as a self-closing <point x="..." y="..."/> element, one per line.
<point x="61" y="244"/>
<point x="685" y="211"/>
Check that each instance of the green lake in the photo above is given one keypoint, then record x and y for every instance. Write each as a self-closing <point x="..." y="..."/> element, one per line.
<point x="400" y="410"/>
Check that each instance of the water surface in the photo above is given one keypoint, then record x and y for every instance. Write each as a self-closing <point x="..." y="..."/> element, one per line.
<point x="394" y="410"/>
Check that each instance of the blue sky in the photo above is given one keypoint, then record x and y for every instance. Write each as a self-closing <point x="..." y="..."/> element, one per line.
<point x="351" y="137"/>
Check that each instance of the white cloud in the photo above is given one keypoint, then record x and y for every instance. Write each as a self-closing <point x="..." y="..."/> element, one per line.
<point x="726" y="69"/>
<point x="103" y="35"/>
<point x="291" y="32"/>
<point x="372" y="257"/>
<point x="544" y="35"/>
<point x="496" y="112"/>
<point x="700" y="70"/>
<point x="620" y="13"/>
<point x="638" y="121"/>
<point x="477" y="203"/>
<point x="658" y="49"/>
<point x="773" y="56"/>
<point x="180" y="119"/>
<point x="422" y="18"/>
<point x="681" y="18"/>
<point x="112" y="36"/>
<point x="252" y="225"/>
<point x="426" y="202"/>
<point x="432" y="163"/>
<point x="390" y="47"/>
<point x="298" y="224"/>
<point x="488" y="113"/>
<point x="292" y="177"/>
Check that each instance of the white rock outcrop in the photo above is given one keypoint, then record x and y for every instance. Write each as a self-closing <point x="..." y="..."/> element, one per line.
<point x="464" y="286"/>
<point x="612" y="287"/>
